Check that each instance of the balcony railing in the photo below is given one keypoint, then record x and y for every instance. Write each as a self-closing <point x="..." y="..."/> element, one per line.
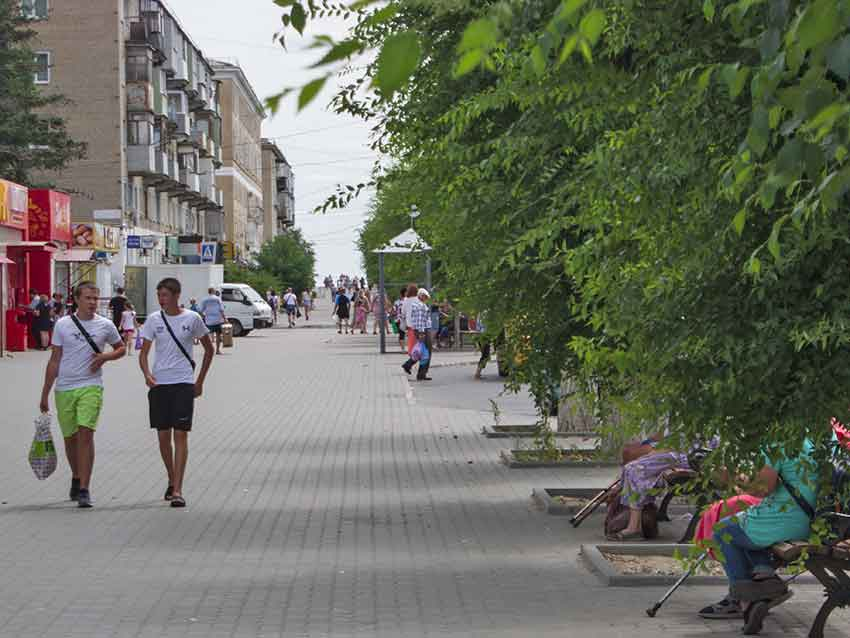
<point x="140" y="159"/>
<point x="190" y="179"/>
<point x="200" y="139"/>
<point x="183" y="126"/>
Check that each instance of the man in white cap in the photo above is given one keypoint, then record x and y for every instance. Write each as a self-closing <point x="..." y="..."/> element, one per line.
<point x="420" y="322"/>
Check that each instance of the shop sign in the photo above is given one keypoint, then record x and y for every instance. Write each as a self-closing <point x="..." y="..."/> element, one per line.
<point x="134" y="241"/>
<point x="148" y="242"/>
<point x="13" y="205"/>
<point x="49" y="216"/>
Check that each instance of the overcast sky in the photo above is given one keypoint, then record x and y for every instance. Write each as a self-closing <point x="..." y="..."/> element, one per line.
<point x="324" y="149"/>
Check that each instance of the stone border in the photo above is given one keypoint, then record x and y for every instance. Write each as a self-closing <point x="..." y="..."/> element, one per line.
<point x="610" y="577"/>
<point x="507" y="457"/>
<point x="529" y="432"/>
<point x="547" y="497"/>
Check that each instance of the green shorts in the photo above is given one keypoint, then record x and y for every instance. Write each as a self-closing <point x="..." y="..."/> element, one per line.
<point x="78" y="408"/>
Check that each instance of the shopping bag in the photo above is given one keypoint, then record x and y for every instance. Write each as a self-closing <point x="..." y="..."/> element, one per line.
<point x="139" y="340"/>
<point x="394" y="326"/>
<point x="420" y="352"/>
<point x="42" y="456"/>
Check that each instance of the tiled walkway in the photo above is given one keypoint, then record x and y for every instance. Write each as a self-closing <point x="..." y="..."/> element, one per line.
<point x="327" y="497"/>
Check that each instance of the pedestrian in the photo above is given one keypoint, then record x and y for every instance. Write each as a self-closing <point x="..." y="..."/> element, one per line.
<point x="307" y="303"/>
<point x="193" y="305"/>
<point x="274" y="302"/>
<point x="58" y="305"/>
<point x="290" y="303"/>
<point x="129" y="326"/>
<point x="420" y="323"/>
<point x="398" y="312"/>
<point x="43" y="322"/>
<point x="75" y="366"/>
<point x="172" y="383"/>
<point x="360" y="312"/>
<point x="212" y="310"/>
<point x="342" y="306"/>
<point x="117" y="305"/>
<point x="409" y="299"/>
<point x="376" y="312"/>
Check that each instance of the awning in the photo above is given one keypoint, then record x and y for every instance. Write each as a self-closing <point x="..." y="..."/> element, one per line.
<point x="47" y="246"/>
<point x="74" y="254"/>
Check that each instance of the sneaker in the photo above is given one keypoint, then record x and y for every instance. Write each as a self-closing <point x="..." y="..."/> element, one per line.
<point x="74" y="494"/>
<point x="84" y="499"/>
<point x="406" y="368"/>
<point x="724" y="609"/>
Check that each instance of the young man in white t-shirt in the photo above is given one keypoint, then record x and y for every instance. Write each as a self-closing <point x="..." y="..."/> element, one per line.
<point x="172" y="383"/>
<point x="290" y="304"/>
<point x="75" y="367"/>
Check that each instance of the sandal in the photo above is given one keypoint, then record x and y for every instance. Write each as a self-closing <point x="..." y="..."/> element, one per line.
<point x="622" y="537"/>
<point x="178" y="501"/>
<point x="169" y="493"/>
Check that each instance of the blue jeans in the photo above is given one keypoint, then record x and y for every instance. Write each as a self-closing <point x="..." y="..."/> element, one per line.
<point x="743" y="557"/>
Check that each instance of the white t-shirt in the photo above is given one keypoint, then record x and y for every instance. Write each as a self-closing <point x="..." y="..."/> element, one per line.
<point x="406" y="306"/>
<point x="289" y="299"/>
<point x="213" y="310"/>
<point x="170" y="365"/>
<point x="77" y="354"/>
<point x="128" y="320"/>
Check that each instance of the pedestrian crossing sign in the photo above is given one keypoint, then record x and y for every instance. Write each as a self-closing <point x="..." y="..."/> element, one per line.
<point x="207" y="253"/>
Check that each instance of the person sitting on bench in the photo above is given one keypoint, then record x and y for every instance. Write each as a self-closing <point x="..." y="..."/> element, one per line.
<point x="744" y="539"/>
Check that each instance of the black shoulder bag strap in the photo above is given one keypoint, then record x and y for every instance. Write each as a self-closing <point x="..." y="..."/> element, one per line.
<point x="179" y="345"/>
<point x="803" y="503"/>
<point x="84" y="333"/>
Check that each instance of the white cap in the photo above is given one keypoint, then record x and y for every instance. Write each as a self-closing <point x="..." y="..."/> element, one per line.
<point x="423" y="291"/>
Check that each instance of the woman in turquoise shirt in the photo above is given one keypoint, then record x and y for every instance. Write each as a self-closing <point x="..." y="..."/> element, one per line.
<point x="743" y="539"/>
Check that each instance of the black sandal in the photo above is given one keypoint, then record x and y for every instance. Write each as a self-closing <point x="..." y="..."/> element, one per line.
<point x="178" y="501"/>
<point x="169" y="493"/>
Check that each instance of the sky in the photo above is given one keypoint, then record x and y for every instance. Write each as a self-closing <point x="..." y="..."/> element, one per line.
<point x="324" y="149"/>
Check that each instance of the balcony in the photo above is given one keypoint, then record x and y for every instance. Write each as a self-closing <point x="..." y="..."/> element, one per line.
<point x="140" y="160"/>
<point x="140" y="96"/>
<point x="180" y="77"/>
<point x="190" y="179"/>
<point x="182" y="126"/>
<point x="201" y="140"/>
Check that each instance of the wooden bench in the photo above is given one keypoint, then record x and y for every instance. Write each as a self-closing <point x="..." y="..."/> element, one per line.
<point x="830" y="564"/>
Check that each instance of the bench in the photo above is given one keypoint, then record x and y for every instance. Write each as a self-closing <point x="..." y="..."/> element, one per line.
<point x="830" y="564"/>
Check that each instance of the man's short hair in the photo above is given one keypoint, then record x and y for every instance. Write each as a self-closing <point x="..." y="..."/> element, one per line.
<point x="82" y="286"/>
<point x="211" y="290"/>
<point x="170" y="284"/>
<point x="119" y="290"/>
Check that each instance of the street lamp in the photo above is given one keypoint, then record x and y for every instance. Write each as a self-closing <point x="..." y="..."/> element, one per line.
<point x="414" y="213"/>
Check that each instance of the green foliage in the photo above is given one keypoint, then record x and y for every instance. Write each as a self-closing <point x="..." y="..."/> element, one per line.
<point x="259" y="279"/>
<point x="33" y="138"/>
<point x="290" y="259"/>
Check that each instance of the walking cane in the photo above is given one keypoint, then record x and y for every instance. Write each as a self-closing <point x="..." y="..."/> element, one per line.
<point x="595" y="502"/>
<point x="654" y="609"/>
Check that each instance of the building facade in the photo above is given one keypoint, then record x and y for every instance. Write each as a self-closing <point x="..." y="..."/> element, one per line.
<point x="241" y="175"/>
<point x="278" y="191"/>
<point x="146" y="101"/>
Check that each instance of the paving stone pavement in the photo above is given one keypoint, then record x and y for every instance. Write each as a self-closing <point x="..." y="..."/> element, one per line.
<point x="328" y="496"/>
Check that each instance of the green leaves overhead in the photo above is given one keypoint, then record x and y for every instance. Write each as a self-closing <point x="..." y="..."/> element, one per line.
<point x="310" y="91"/>
<point x="398" y="59"/>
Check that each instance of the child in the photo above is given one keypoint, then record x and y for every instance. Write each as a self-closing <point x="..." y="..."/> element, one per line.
<point x="129" y="325"/>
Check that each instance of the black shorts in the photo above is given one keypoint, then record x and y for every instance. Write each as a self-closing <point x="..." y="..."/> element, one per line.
<point x="290" y="310"/>
<point x="342" y="313"/>
<point x="216" y="329"/>
<point x="172" y="406"/>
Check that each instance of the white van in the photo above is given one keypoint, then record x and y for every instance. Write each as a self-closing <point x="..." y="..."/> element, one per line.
<point x="245" y="309"/>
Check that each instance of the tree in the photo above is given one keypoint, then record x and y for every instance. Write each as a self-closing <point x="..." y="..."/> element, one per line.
<point x="31" y="138"/>
<point x="290" y="258"/>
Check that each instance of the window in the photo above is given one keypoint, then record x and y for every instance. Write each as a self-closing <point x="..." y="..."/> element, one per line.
<point x="34" y="9"/>
<point x="42" y="67"/>
<point x="137" y="68"/>
<point x="139" y="130"/>
<point x="231" y="294"/>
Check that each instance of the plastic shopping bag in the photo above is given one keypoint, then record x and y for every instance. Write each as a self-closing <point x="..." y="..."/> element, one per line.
<point x="139" y="340"/>
<point x="420" y="352"/>
<point x="42" y="456"/>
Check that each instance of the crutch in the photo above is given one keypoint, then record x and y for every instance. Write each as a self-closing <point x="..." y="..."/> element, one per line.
<point x="579" y="517"/>
<point x="654" y="609"/>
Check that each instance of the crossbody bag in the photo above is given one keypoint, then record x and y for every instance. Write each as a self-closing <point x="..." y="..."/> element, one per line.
<point x="801" y="502"/>
<point x="177" y="341"/>
<point x="85" y="334"/>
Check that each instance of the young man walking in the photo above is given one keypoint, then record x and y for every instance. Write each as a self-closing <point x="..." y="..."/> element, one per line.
<point x="173" y="388"/>
<point x="75" y="365"/>
<point x="212" y="310"/>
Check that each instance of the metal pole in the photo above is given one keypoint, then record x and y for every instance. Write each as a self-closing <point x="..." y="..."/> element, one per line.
<point x="2" y="311"/>
<point x="382" y="311"/>
<point x="428" y="273"/>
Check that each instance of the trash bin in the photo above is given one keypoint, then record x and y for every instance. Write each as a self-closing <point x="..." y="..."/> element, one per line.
<point x="227" y="335"/>
<point x="17" y="329"/>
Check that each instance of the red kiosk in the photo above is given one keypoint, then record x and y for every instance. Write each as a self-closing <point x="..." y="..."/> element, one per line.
<point x="13" y="266"/>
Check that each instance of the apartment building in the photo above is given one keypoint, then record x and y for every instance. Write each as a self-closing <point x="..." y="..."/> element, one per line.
<point x="146" y="101"/>
<point x="241" y="176"/>
<point x="278" y="191"/>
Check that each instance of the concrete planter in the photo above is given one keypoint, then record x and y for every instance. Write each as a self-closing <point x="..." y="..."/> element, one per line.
<point x="529" y="432"/>
<point x="526" y="459"/>
<point x="549" y="499"/>
<point x="609" y="575"/>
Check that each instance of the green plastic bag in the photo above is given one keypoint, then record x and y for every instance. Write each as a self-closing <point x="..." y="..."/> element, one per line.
<point x="42" y="456"/>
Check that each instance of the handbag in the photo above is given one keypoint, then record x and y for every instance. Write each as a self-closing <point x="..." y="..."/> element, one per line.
<point x="179" y="345"/>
